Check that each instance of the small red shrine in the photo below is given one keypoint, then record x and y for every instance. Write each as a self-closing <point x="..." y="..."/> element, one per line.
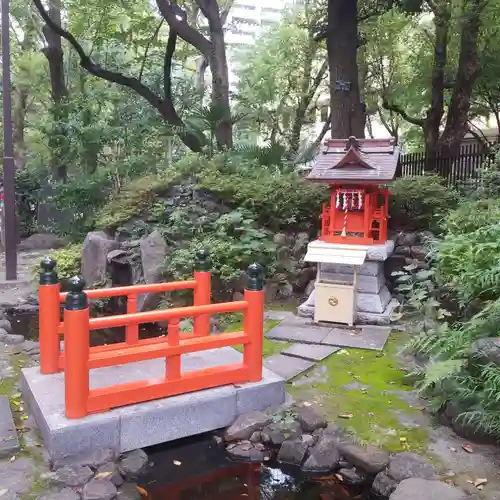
<point x="355" y="169"/>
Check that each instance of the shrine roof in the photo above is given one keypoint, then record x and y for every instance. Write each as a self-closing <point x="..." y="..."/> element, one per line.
<point x="356" y="160"/>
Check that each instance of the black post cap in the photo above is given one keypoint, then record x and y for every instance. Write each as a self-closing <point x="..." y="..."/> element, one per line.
<point x="203" y="262"/>
<point x="48" y="275"/>
<point x="76" y="298"/>
<point x="255" y="279"/>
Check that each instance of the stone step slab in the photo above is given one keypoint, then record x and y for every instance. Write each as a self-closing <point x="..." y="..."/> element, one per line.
<point x="310" y="352"/>
<point x="9" y="442"/>
<point x="295" y="331"/>
<point x="369" y="337"/>
<point x="287" y="367"/>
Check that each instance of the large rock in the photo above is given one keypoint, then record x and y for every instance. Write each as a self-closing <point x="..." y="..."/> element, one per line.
<point x="129" y="491"/>
<point x="72" y="475"/>
<point x="293" y="452"/>
<point x="279" y="432"/>
<point x="110" y="472"/>
<point x="245" y="425"/>
<point x="153" y="250"/>
<point x="99" y="489"/>
<point x="486" y="350"/>
<point x="133" y="464"/>
<point x="405" y="465"/>
<point x="310" y="419"/>
<point x="251" y="452"/>
<point x="41" y="241"/>
<point x="369" y="458"/>
<point x="383" y="485"/>
<point x="96" y="247"/>
<point x="422" y="489"/>
<point x="64" y="494"/>
<point x="324" y="456"/>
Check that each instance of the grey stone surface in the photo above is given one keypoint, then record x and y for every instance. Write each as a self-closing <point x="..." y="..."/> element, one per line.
<point x="405" y="465"/>
<point x="292" y="332"/>
<point x="292" y="452"/>
<point x="373" y="339"/>
<point x="143" y="424"/>
<point x="380" y="253"/>
<point x="16" y="476"/>
<point x="72" y="475"/>
<point x="351" y="478"/>
<point x="13" y="339"/>
<point x="310" y="419"/>
<point x="486" y="350"/>
<point x="96" y="246"/>
<point x="245" y="425"/>
<point x="41" y="241"/>
<point x="286" y="366"/>
<point x="93" y="459"/>
<point x="369" y="268"/>
<point x="311" y="352"/>
<point x="366" y="318"/>
<point x="277" y="433"/>
<point x="128" y="491"/>
<point x="110" y="472"/>
<point x="250" y="452"/>
<point x="99" y="489"/>
<point x="383" y="485"/>
<point x="9" y="443"/>
<point x="422" y="489"/>
<point x="324" y="456"/>
<point x="373" y="302"/>
<point x="132" y="464"/>
<point x="369" y="458"/>
<point x="64" y="494"/>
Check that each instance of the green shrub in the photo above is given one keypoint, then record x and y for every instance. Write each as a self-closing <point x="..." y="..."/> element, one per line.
<point x="69" y="261"/>
<point x="490" y="178"/>
<point x="420" y="202"/>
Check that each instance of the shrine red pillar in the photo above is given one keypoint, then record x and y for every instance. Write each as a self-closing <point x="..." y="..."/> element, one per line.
<point x="368" y="214"/>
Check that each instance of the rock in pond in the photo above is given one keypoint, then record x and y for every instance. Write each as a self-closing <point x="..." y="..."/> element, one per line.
<point x="369" y="458"/>
<point x="423" y="489"/>
<point x="99" y="489"/>
<point x="323" y="457"/>
<point x="383" y="485"/>
<point x="245" y="425"/>
<point x="405" y="465"/>
<point x="72" y="475"/>
<point x="310" y="419"/>
<point x="292" y="452"/>
<point x="132" y="464"/>
<point x="279" y="432"/>
<point x="252" y="452"/>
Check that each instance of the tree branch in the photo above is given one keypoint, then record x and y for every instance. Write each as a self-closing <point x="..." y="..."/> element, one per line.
<point x="177" y="20"/>
<point x="401" y="112"/>
<point x="155" y="34"/>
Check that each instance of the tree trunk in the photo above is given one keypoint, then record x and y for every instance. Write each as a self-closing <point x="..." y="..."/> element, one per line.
<point x="347" y="112"/>
<point x="55" y="56"/>
<point x="468" y="70"/>
<point x="220" y="82"/>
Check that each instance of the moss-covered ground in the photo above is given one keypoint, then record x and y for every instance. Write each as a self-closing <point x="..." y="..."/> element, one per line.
<point x="370" y="407"/>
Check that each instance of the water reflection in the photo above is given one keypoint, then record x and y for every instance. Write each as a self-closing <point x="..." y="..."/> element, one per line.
<point x="198" y="469"/>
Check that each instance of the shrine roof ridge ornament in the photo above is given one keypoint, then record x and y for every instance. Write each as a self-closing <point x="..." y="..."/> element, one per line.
<point x="352" y="160"/>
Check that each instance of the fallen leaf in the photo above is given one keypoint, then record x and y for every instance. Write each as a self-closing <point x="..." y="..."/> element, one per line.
<point x="347" y="416"/>
<point x="403" y="440"/>
<point x="12" y="458"/>
<point x="371" y="414"/>
<point x="469" y="481"/>
<point x="480" y="487"/>
<point x="176" y="462"/>
<point x="339" y="477"/>
<point x="142" y="491"/>
<point x="452" y="449"/>
<point x="450" y="482"/>
<point x="306" y="403"/>
<point x="480" y="481"/>
<point x="3" y="492"/>
<point x="17" y="395"/>
<point x="103" y="475"/>
<point x="468" y="448"/>
<point x="25" y="417"/>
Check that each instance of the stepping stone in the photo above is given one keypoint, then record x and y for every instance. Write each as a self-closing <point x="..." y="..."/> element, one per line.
<point x="311" y="352"/>
<point x="286" y="366"/>
<point x="9" y="443"/>
<point x="369" y="337"/>
<point x="296" y="332"/>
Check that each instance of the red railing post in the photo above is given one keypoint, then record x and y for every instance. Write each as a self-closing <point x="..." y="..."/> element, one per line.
<point x="76" y="350"/>
<point x="132" y="331"/>
<point x="49" y="317"/>
<point x="254" y="322"/>
<point x="202" y="292"/>
<point x="173" y="363"/>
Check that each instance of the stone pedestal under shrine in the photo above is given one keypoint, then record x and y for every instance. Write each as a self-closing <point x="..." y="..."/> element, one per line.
<point x="374" y="304"/>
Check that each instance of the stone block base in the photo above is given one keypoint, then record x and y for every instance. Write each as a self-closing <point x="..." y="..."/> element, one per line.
<point x="144" y="424"/>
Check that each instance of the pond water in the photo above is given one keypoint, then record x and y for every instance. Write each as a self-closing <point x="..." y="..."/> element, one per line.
<point x="198" y="468"/>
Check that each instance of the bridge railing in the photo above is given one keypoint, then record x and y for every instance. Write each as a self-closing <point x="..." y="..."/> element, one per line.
<point x="79" y="358"/>
<point x="51" y="328"/>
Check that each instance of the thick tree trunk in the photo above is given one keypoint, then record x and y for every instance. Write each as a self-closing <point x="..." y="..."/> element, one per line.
<point x="55" y="56"/>
<point x="468" y="69"/>
<point x="220" y="83"/>
<point x="347" y="112"/>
